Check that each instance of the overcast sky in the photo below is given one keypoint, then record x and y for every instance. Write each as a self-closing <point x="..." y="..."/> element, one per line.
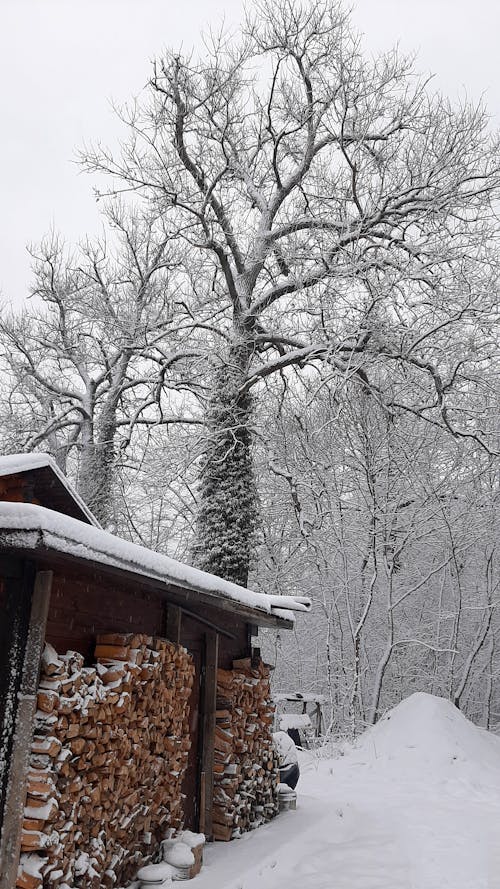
<point x="62" y="61"/>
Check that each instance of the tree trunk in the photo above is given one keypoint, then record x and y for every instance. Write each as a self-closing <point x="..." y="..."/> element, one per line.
<point x="228" y="512"/>
<point x="95" y="478"/>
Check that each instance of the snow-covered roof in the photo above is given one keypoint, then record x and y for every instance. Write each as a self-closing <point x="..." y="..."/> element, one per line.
<point x="33" y="527"/>
<point x="11" y="464"/>
<point x="299" y="697"/>
<point x="15" y="464"/>
<point x="294" y="720"/>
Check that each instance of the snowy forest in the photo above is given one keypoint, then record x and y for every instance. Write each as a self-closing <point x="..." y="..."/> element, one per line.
<point x="279" y="361"/>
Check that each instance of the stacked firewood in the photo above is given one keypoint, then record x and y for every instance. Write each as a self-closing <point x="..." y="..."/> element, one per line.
<point x="246" y="774"/>
<point x="108" y="758"/>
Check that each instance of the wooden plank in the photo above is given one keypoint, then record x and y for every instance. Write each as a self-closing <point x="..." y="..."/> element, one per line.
<point x="10" y="844"/>
<point x="209" y="708"/>
<point x="200" y="619"/>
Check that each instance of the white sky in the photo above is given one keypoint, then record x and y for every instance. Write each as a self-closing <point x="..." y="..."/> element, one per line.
<point x="62" y="61"/>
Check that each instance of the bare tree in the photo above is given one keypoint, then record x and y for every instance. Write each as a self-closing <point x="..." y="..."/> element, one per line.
<point x="392" y="527"/>
<point x="342" y="214"/>
<point x="101" y="359"/>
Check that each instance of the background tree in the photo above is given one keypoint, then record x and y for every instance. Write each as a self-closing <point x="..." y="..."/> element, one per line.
<point x="392" y="527"/>
<point x="101" y="358"/>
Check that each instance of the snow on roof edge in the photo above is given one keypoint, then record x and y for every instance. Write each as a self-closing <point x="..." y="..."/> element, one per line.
<point x="294" y="720"/>
<point x="11" y="464"/>
<point x="73" y="537"/>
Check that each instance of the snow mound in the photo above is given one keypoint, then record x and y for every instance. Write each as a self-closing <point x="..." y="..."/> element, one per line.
<point x="428" y="733"/>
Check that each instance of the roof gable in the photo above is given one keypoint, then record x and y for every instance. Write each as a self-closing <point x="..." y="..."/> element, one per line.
<point x="36" y="478"/>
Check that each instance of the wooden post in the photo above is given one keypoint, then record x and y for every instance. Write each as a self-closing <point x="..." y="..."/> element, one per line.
<point x="17" y="579"/>
<point x="10" y="842"/>
<point x="203" y="804"/>
<point x="173" y="615"/>
<point x="209" y="708"/>
<point x="318" y="719"/>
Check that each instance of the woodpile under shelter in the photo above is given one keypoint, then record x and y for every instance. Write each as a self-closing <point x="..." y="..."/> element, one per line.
<point x="131" y="699"/>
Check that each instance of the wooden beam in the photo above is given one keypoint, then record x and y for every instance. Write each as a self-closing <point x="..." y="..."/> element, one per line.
<point x="10" y="843"/>
<point x="173" y="615"/>
<point x="207" y="623"/>
<point x="209" y="708"/>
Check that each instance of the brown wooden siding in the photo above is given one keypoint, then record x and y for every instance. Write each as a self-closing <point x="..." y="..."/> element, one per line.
<point x="84" y="604"/>
<point x="43" y="488"/>
<point x="15" y="489"/>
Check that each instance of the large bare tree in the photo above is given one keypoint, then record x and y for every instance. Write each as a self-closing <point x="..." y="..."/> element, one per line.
<point x="337" y="211"/>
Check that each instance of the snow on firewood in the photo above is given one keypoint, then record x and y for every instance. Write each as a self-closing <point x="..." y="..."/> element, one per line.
<point x="51" y="663"/>
<point x="245" y="766"/>
<point x="179" y="855"/>
<point x="107" y="762"/>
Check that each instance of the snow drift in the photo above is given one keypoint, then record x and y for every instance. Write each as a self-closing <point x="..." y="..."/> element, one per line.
<point x="414" y="804"/>
<point x="427" y="734"/>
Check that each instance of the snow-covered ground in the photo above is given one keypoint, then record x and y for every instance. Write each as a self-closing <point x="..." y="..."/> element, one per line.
<point x="414" y="805"/>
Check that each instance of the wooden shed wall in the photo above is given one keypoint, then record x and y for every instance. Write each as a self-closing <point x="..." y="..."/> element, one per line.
<point x="41" y="486"/>
<point x="15" y="489"/>
<point x="84" y="604"/>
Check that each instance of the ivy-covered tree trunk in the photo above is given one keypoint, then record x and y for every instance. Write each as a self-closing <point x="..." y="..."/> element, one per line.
<point x="96" y="479"/>
<point x="227" y="518"/>
<point x="97" y="458"/>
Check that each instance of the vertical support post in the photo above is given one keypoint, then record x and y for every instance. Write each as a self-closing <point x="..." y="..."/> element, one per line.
<point x="17" y="578"/>
<point x="203" y="803"/>
<point x="173" y="620"/>
<point x="209" y="719"/>
<point x="10" y="841"/>
<point x="318" y="719"/>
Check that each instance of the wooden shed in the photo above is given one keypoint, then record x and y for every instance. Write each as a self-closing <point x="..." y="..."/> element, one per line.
<point x="131" y="698"/>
